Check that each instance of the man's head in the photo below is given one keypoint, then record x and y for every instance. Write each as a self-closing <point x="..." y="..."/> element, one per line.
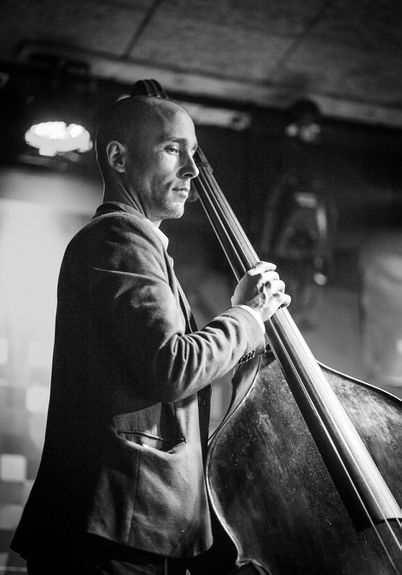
<point x="145" y="149"/>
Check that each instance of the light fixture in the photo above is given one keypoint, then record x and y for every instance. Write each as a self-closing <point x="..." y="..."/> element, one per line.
<point x="52" y="138"/>
<point x="223" y="117"/>
<point x="305" y="121"/>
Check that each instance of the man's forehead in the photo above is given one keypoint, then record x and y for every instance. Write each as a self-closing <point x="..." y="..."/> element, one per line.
<point x="170" y="112"/>
<point x="169" y="121"/>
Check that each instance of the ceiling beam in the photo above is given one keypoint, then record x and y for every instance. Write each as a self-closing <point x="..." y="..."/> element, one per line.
<point x="128" y="71"/>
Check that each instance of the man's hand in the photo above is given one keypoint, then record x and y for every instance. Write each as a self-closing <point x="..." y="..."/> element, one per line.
<point x="261" y="289"/>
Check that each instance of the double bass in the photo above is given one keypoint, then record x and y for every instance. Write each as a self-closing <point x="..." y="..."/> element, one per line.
<point x="304" y="472"/>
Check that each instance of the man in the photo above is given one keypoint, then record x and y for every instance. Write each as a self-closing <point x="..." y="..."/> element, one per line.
<point x="120" y="487"/>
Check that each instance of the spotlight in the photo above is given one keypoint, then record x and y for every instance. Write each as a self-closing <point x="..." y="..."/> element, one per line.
<point x="53" y="138"/>
<point x="306" y="121"/>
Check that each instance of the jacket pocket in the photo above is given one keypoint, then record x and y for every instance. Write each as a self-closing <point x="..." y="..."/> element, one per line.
<point x="149" y="440"/>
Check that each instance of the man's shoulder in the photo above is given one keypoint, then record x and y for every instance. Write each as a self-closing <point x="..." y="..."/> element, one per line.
<point x="119" y="218"/>
<point x="117" y="238"/>
<point x="115" y="225"/>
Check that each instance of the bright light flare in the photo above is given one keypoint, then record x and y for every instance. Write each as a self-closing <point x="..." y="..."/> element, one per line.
<point x="53" y="138"/>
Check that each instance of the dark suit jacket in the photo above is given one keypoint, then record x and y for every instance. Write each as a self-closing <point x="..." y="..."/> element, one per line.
<point x="122" y="457"/>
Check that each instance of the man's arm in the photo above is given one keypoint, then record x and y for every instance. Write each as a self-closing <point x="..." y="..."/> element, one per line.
<point x="131" y="286"/>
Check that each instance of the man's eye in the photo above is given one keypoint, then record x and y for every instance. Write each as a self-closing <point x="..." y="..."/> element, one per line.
<point x="173" y="149"/>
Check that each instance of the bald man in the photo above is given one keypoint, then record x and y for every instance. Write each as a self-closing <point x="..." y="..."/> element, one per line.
<point x="120" y="488"/>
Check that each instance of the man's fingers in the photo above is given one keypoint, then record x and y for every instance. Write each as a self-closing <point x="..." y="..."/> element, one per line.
<point x="286" y="299"/>
<point x="277" y="286"/>
<point x="268" y="278"/>
<point x="261" y="267"/>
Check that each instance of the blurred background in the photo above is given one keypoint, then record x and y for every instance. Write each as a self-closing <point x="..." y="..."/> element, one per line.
<point x="298" y="107"/>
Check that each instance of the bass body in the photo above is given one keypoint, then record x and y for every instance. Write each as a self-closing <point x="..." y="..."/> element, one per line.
<point x="272" y="491"/>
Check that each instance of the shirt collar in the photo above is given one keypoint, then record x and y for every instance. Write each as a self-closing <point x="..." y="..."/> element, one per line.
<point x="163" y="237"/>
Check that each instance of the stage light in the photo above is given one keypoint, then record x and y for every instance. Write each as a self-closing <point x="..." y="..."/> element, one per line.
<point x="53" y="138"/>
<point x="305" y="121"/>
<point x="223" y="117"/>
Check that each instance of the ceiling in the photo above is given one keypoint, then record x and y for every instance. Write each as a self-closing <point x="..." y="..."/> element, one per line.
<point x="345" y="55"/>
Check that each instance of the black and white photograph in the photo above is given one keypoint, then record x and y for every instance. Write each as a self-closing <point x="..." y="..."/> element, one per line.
<point x="201" y="287"/>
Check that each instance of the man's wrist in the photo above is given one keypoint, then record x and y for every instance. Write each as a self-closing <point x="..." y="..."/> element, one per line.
<point x="255" y="314"/>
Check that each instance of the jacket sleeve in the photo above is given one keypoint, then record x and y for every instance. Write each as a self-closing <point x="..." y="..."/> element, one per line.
<point x="131" y="289"/>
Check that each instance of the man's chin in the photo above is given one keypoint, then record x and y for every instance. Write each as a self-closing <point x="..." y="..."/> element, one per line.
<point x="176" y="212"/>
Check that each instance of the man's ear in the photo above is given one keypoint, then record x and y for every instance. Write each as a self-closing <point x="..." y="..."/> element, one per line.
<point x="116" y="156"/>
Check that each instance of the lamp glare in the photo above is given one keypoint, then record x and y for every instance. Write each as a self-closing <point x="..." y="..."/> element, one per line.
<point x="52" y="138"/>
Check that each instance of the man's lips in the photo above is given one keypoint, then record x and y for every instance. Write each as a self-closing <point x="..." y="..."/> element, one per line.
<point x="183" y="192"/>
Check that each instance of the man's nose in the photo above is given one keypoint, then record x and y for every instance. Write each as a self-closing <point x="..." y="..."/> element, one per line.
<point x="189" y="169"/>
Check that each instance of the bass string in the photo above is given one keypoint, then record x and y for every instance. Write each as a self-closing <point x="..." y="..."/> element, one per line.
<point x="385" y="520"/>
<point x="245" y="259"/>
<point x="224" y="217"/>
<point x="227" y="216"/>
<point x="223" y="232"/>
<point x="224" y="237"/>
<point x="290" y="325"/>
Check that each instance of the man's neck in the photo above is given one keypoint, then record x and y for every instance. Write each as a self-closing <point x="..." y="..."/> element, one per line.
<point x="116" y="192"/>
<point x="131" y="208"/>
